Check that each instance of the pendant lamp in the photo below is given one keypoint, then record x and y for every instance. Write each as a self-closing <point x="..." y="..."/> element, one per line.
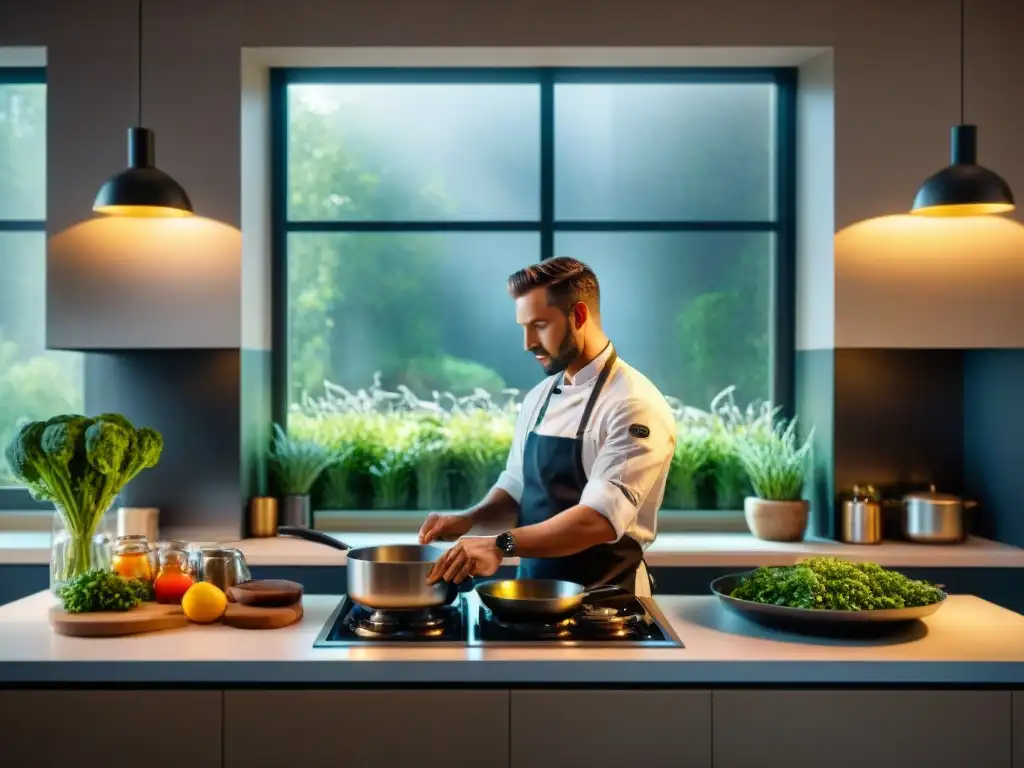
<point x="964" y="188"/>
<point x="142" y="189"/>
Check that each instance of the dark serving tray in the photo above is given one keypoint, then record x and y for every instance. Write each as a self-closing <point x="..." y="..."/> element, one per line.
<point x="812" y="617"/>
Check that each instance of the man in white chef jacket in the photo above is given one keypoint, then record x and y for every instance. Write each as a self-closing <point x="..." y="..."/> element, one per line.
<point x="586" y="474"/>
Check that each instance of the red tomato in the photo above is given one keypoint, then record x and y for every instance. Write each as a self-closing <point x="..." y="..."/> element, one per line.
<point x="171" y="587"/>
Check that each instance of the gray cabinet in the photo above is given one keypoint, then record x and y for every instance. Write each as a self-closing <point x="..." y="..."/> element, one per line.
<point x="113" y="729"/>
<point x="366" y="729"/>
<point x="611" y="728"/>
<point x="881" y="729"/>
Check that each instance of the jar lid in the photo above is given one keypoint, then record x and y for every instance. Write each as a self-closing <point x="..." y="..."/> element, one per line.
<point x="173" y="557"/>
<point x="861" y="492"/>
<point x="172" y="544"/>
<point x="131" y="548"/>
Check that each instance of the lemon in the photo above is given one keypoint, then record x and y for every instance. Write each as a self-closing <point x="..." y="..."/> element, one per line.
<point x="204" y="603"/>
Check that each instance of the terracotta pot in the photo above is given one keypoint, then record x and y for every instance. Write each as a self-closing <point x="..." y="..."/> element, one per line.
<point x="776" y="520"/>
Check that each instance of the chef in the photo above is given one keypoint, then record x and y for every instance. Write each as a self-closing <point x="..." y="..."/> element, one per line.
<point x="579" y="497"/>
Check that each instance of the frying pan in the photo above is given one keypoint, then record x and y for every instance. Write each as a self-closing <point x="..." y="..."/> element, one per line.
<point x="390" y="577"/>
<point x="536" y="599"/>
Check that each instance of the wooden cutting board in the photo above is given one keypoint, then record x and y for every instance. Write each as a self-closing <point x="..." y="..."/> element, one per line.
<point x="146" y="617"/>
<point x="253" y="617"/>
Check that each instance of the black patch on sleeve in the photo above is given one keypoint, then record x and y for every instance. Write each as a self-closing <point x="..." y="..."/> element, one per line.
<point x="639" y="430"/>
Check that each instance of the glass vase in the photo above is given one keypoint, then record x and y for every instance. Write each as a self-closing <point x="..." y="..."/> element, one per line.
<point x="74" y="551"/>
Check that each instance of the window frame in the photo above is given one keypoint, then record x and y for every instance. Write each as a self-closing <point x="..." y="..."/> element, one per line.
<point x="782" y="333"/>
<point x="11" y="498"/>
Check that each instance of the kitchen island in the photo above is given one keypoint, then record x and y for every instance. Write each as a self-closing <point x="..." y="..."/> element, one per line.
<point x="941" y="692"/>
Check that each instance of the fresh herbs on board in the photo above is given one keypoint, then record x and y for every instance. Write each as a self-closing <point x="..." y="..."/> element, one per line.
<point x="102" y="590"/>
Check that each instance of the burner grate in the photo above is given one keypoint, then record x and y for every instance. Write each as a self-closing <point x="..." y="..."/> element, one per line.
<point x="466" y="622"/>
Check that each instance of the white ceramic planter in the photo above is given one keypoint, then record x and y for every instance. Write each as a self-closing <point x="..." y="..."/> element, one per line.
<point x="776" y="520"/>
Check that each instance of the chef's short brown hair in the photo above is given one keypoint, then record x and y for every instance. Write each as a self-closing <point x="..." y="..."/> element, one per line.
<point x="567" y="281"/>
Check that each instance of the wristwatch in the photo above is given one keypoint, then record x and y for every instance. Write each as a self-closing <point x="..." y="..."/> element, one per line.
<point x="506" y="542"/>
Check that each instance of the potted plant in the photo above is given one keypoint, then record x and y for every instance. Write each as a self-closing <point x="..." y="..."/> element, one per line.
<point x="777" y="467"/>
<point x="296" y="464"/>
<point x="689" y="462"/>
<point x="80" y="465"/>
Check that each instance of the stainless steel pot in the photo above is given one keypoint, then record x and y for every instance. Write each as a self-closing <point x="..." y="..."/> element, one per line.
<point x="392" y="577"/>
<point x="935" y="518"/>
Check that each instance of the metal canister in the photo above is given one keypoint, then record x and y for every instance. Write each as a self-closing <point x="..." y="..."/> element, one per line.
<point x="262" y="517"/>
<point x="862" y="517"/>
<point x="221" y="566"/>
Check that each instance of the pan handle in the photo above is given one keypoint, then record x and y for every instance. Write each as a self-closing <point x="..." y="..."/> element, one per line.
<point x="310" y="535"/>
<point x="604" y="588"/>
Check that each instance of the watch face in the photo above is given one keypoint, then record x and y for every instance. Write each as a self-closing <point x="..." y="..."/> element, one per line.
<point x="506" y="543"/>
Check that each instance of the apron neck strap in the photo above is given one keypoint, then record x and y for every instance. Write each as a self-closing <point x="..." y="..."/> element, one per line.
<point x="547" y="400"/>
<point x="598" y="386"/>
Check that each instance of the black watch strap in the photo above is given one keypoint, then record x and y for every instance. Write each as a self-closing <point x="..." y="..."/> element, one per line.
<point x="506" y="542"/>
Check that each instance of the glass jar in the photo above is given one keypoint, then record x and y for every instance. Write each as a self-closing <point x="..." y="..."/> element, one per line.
<point x="131" y="558"/>
<point x="174" y="576"/>
<point x="160" y="546"/>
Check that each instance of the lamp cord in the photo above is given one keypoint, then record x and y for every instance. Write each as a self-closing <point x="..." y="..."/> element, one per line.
<point x="963" y="49"/>
<point x="139" y="123"/>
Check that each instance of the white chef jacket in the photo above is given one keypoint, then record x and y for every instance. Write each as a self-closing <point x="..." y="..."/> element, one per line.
<point x="626" y="474"/>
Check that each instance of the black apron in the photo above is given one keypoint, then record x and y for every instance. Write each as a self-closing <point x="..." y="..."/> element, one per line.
<point x="553" y="481"/>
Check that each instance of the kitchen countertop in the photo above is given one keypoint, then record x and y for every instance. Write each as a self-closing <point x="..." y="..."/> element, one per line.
<point x="739" y="550"/>
<point x="968" y="642"/>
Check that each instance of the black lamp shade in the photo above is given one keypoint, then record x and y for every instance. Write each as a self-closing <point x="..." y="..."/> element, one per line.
<point x="964" y="188"/>
<point x="142" y="189"/>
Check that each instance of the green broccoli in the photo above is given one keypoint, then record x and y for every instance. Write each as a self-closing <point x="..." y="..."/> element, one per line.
<point x="81" y="464"/>
<point x="830" y="583"/>
<point x="106" y="445"/>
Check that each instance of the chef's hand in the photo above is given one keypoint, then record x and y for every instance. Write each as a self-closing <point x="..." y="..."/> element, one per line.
<point x="471" y="556"/>
<point x="444" y="527"/>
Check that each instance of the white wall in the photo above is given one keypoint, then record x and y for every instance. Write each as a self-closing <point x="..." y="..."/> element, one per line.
<point x="895" y="66"/>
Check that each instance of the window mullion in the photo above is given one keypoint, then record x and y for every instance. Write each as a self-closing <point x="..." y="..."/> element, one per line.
<point x="547" y="165"/>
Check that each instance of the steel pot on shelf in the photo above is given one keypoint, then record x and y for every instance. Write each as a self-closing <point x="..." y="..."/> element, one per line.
<point x="930" y="517"/>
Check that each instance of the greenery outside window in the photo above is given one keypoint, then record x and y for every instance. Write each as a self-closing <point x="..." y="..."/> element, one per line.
<point x="404" y="198"/>
<point x="34" y="383"/>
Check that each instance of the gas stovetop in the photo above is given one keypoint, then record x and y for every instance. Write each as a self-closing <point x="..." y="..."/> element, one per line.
<point x="614" y="622"/>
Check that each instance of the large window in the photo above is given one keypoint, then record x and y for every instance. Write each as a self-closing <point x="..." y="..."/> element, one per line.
<point x="404" y="199"/>
<point x="34" y="383"/>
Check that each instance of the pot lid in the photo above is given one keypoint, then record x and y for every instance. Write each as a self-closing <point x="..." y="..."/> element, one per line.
<point x="933" y="496"/>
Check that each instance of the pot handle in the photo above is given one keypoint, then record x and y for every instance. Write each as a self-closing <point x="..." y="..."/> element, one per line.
<point x="308" y="534"/>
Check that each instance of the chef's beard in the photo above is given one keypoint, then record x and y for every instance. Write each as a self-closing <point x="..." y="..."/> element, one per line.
<point x="567" y="352"/>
